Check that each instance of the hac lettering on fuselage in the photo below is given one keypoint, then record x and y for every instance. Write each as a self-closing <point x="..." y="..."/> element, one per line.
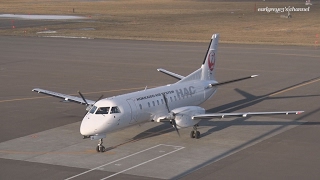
<point x="185" y="91"/>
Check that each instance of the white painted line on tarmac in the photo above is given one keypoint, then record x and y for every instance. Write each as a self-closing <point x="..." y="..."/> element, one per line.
<point x="96" y="168"/>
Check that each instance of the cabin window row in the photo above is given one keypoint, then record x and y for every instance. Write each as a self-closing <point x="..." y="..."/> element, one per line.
<point x="157" y="102"/>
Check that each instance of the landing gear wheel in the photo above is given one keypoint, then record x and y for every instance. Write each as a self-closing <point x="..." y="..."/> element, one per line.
<point x="192" y="134"/>
<point x="197" y="135"/>
<point x="100" y="147"/>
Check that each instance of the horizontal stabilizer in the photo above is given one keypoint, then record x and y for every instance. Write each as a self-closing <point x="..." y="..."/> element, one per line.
<point x="177" y="76"/>
<point x="245" y="114"/>
<point x="231" y="81"/>
<point x="64" y="96"/>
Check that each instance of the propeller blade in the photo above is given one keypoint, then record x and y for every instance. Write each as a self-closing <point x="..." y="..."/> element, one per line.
<point x="83" y="98"/>
<point x="175" y="126"/>
<point x="172" y="114"/>
<point x="100" y="98"/>
<point x="166" y="102"/>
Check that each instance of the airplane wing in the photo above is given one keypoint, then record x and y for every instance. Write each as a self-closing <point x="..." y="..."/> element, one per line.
<point x="64" y="96"/>
<point x="243" y="114"/>
<point x="177" y="76"/>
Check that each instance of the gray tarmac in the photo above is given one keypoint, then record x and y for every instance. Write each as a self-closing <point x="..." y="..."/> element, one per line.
<point x="40" y="139"/>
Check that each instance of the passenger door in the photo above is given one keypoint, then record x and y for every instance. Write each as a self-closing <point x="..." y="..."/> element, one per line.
<point x="133" y="110"/>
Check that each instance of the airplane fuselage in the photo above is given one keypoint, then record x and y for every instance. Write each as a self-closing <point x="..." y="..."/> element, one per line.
<point x="144" y="106"/>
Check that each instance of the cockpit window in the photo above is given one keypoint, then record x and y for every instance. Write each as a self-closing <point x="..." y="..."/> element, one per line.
<point x="93" y="109"/>
<point x="115" y="110"/>
<point x="103" y="110"/>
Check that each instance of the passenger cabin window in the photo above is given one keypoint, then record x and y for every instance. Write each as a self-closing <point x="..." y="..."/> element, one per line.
<point x="149" y="104"/>
<point x="171" y="99"/>
<point x="175" y="98"/>
<point x="103" y="110"/>
<point x="161" y="101"/>
<point x="153" y="103"/>
<point x="158" y="102"/>
<point x="140" y="106"/>
<point x="115" y="110"/>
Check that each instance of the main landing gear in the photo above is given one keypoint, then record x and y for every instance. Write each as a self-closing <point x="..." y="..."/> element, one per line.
<point x="195" y="134"/>
<point x="100" y="147"/>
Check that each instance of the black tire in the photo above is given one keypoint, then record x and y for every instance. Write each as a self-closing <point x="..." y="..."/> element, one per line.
<point x="102" y="149"/>
<point x="97" y="149"/>
<point x="192" y="134"/>
<point x="197" y="135"/>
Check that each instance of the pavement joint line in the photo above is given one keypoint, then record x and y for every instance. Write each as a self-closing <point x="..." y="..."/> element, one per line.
<point x="46" y="152"/>
<point x="275" y="49"/>
<point x="32" y="98"/>
<point x="144" y="162"/>
<point x="273" y="94"/>
<point x="281" y="54"/>
<point x="117" y="161"/>
<point x="304" y="84"/>
<point x="96" y="92"/>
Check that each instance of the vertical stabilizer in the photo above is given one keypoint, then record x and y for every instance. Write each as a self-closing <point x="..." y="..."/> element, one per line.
<point x="209" y="62"/>
<point x="206" y="71"/>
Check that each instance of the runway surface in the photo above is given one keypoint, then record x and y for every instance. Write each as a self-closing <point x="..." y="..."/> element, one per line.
<point x="40" y="136"/>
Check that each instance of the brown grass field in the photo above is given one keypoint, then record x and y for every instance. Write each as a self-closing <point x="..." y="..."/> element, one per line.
<point x="174" y="20"/>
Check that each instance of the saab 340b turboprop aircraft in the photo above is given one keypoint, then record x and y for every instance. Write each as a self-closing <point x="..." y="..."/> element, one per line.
<point x="176" y="103"/>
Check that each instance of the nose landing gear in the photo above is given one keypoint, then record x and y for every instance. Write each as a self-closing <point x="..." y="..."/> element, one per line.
<point x="100" y="147"/>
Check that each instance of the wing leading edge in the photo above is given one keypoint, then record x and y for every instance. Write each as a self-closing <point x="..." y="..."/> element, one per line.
<point x="243" y="114"/>
<point x="64" y="96"/>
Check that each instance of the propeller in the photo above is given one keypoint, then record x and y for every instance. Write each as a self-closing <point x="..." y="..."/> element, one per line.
<point x="83" y="98"/>
<point x="172" y="115"/>
<point x="100" y="98"/>
<point x="89" y="106"/>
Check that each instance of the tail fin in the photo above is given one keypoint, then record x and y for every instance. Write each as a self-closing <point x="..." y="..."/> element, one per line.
<point x="209" y="62"/>
<point x="206" y="72"/>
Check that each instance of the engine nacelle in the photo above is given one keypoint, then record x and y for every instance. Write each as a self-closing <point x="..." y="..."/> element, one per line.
<point x="184" y="114"/>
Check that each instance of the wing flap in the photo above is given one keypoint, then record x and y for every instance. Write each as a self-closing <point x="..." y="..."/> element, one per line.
<point x="243" y="114"/>
<point x="63" y="96"/>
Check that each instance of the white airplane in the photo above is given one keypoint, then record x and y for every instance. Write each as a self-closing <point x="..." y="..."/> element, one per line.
<point x="176" y="103"/>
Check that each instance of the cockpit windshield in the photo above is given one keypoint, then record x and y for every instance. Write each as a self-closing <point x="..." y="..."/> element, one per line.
<point x="115" y="110"/>
<point x="93" y="109"/>
<point x="103" y="110"/>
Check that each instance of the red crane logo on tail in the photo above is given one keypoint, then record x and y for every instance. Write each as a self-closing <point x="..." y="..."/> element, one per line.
<point x="211" y="60"/>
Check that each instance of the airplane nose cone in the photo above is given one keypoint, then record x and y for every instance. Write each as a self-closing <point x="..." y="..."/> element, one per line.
<point x="86" y="127"/>
<point x="92" y="125"/>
